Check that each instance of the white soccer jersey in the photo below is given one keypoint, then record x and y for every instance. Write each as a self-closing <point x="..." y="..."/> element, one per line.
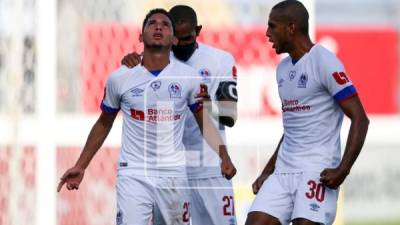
<point x="154" y="110"/>
<point x="310" y="91"/>
<point x="213" y="66"/>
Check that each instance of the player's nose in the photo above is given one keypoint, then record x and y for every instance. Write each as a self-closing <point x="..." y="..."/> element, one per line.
<point x="267" y="33"/>
<point x="158" y="26"/>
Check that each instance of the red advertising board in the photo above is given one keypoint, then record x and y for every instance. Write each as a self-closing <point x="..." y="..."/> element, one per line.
<point x="370" y="58"/>
<point x="369" y="55"/>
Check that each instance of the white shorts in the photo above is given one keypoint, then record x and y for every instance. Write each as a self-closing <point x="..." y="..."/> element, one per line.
<point x="141" y="199"/>
<point x="288" y="196"/>
<point x="211" y="201"/>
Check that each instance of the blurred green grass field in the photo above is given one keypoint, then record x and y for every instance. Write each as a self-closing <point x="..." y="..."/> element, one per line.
<point x="396" y="222"/>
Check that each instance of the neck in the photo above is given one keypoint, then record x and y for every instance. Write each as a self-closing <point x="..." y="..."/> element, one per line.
<point x="155" y="60"/>
<point x="300" y="47"/>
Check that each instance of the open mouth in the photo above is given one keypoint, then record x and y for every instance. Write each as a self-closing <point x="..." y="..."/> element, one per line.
<point x="273" y="43"/>
<point x="157" y="36"/>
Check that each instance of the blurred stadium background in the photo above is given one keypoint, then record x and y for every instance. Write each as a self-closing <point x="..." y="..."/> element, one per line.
<point x="56" y="54"/>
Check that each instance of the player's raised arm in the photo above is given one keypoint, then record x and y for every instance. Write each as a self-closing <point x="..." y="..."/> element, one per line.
<point x="73" y="176"/>
<point x="213" y="138"/>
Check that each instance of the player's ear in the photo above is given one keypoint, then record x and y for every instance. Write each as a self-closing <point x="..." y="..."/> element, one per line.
<point x="291" y="28"/>
<point x="141" y="37"/>
<point x="174" y="40"/>
<point x="198" y="29"/>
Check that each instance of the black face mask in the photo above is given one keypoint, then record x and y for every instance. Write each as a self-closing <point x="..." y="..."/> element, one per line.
<point x="183" y="52"/>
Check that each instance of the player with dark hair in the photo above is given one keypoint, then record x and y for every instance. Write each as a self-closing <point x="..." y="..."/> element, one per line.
<point x="160" y="11"/>
<point x="300" y="183"/>
<point x="212" y="201"/>
<point x="153" y="97"/>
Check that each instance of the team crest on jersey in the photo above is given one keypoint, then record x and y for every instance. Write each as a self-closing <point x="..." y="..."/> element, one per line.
<point x="155" y="85"/>
<point x="280" y="82"/>
<point x="303" y="81"/>
<point x="292" y="75"/>
<point x="205" y="74"/>
<point x="175" y="90"/>
<point x="137" y="92"/>
<point x="120" y="219"/>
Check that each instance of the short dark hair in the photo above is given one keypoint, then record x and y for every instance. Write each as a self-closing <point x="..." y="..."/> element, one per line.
<point x="294" y="11"/>
<point x="158" y="11"/>
<point x="183" y="13"/>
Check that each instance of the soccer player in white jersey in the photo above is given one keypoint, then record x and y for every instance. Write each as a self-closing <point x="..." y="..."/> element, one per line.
<point x="212" y="200"/>
<point x="153" y="97"/>
<point x="300" y="183"/>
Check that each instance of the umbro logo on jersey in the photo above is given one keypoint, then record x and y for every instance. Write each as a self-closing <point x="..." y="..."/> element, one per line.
<point x="120" y="218"/>
<point x="303" y="81"/>
<point x="137" y="92"/>
<point x="175" y="90"/>
<point x="280" y="82"/>
<point x="292" y="75"/>
<point x="314" y="207"/>
<point x="232" y="221"/>
<point x="155" y="85"/>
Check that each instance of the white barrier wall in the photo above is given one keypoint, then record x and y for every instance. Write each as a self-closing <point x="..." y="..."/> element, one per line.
<point x="371" y="192"/>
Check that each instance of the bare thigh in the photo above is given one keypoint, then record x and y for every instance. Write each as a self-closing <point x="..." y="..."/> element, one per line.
<point x="260" y="218"/>
<point x="302" y="221"/>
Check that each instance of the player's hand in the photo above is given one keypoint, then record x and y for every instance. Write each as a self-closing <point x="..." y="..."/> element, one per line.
<point x="203" y="97"/>
<point x="131" y="60"/>
<point x="72" y="177"/>
<point x="333" y="178"/>
<point x="258" y="182"/>
<point x="228" y="170"/>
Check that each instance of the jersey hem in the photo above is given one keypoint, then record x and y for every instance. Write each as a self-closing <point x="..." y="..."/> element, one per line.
<point x="151" y="173"/>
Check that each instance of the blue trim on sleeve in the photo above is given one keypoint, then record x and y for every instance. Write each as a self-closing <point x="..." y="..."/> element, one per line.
<point x="108" y="109"/>
<point x="196" y="107"/>
<point x="345" y="93"/>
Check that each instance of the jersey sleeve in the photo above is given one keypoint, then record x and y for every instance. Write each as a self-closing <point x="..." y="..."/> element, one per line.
<point x="334" y="78"/>
<point x="227" y="73"/>
<point x="111" y="98"/>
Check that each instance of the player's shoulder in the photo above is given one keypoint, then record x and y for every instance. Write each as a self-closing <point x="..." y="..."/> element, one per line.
<point x="215" y="53"/>
<point x="120" y="73"/>
<point x="323" y="55"/>
<point x="287" y="61"/>
<point x="182" y="68"/>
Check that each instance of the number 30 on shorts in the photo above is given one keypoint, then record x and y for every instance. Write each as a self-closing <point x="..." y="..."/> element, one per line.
<point x="316" y="190"/>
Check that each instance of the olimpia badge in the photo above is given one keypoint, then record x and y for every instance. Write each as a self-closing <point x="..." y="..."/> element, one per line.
<point x="303" y="81"/>
<point x="175" y="90"/>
